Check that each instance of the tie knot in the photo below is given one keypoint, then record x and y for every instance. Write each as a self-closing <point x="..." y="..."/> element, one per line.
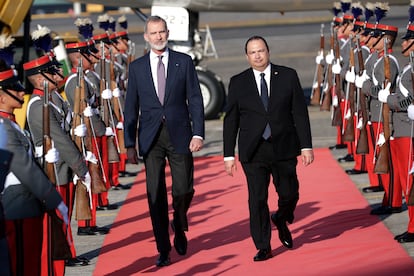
<point x="262" y="75"/>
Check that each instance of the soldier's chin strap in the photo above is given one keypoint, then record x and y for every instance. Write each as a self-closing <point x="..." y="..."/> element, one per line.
<point x="49" y="79"/>
<point x="11" y="95"/>
<point x="409" y="46"/>
<point x="86" y="56"/>
<point x="378" y="40"/>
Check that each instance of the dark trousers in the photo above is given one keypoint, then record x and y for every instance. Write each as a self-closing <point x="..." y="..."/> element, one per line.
<point x="258" y="172"/>
<point x="182" y="174"/>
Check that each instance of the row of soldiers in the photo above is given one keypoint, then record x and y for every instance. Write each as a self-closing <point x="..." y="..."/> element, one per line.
<point x="371" y="99"/>
<point x="69" y="152"/>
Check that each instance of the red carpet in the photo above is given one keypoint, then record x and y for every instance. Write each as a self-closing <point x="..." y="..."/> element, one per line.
<point x="333" y="233"/>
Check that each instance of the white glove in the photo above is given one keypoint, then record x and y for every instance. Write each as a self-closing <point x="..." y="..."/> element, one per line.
<point x="63" y="210"/>
<point x="384" y="93"/>
<point x="315" y="85"/>
<point x="335" y="101"/>
<point x="120" y="125"/>
<point x="360" y="124"/>
<point x="359" y="80"/>
<point x="80" y="130"/>
<point x="107" y="94"/>
<point x="348" y="114"/>
<point x="86" y="180"/>
<point x="410" y="112"/>
<point x="116" y="92"/>
<point x="90" y="157"/>
<point x="319" y="59"/>
<point x="88" y="112"/>
<point x="109" y="131"/>
<point x="329" y="57"/>
<point x="381" y="139"/>
<point x="52" y="156"/>
<point x="336" y="68"/>
<point x="350" y="75"/>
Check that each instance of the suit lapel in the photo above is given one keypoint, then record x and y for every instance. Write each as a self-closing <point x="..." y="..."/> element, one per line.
<point x="274" y="82"/>
<point x="172" y="69"/>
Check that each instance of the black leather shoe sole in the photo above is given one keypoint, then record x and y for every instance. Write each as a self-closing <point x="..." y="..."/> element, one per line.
<point x="107" y="207"/>
<point x="406" y="237"/>
<point x="78" y="261"/>
<point x="92" y="231"/>
<point x="121" y="187"/>
<point x="163" y="260"/>
<point x="353" y="171"/>
<point x="383" y="210"/>
<point x="263" y="255"/>
<point x="346" y="158"/>
<point x="373" y="189"/>
<point x="338" y="146"/>
<point x="285" y="236"/>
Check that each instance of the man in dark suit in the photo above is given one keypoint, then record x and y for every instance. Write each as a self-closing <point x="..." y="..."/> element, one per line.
<point x="164" y="96"/>
<point x="273" y="128"/>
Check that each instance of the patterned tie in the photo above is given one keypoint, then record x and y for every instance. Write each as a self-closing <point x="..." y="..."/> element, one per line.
<point x="265" y="99"/>
<point x="161" y="80"/>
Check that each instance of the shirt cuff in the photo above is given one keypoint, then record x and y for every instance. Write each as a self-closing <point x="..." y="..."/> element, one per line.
<point x="198" y="137"/>
<point x="229" y="158"/>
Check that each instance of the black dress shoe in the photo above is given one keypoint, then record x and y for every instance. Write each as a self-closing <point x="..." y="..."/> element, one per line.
<point x="400" y="235"/>
<point x="373" y="189"/>
<point x="406" y="237"/>
<point x="263" y="255"/>
<point x="107" y="207"/>
<point x="163" y="259"/>
<point x="385" y="210"/>
<point x="127" y="174"/>
<point x="338" y="146"/>
<point x="121" y="187"/>
<point x="354" y="171"/>
<point x="180" y="241"/>
<point x="92" y="231"/>
<point x="346" y="158"/>
<point x="77" y="261"/>
<point x="284" y="234"/>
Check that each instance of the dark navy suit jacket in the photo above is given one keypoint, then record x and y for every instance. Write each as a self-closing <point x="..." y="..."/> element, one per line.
<point x="183" y="109"/>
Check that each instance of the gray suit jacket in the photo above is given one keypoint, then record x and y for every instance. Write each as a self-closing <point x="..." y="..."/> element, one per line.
<point x="35" y="193"/>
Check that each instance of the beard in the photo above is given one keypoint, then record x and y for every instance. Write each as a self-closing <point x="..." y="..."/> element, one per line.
<point x="158" y="46"/>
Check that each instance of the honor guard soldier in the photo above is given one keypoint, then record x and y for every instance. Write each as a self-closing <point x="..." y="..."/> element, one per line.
<point x="28" y="191"/>
<point x="402" y="144"/>
<point x="383" y="77"/>
<point x="42" y="41"/>
<point x="79" y="55"/>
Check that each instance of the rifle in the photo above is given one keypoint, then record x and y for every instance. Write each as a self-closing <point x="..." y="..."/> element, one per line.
<point x="316" y="91"/>
<point x="97" y="185"/>
<point x="410" y="190"/>
<point x="349" y="132"/>
<point x="57" y="243"/>
<point x="362" y="141"/>
<point x="327" y="95"/>
<point x="119" y="114"/>
<point x="337" y="116"/>
<point x="382" y="165"/>
<point x="83" y="209"/>
<point x="113" y="155"/>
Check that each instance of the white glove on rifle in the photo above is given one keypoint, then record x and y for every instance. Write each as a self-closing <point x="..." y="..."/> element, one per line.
<point x="109" y="132"/>
<point x="80" y="130"/>
<point x="329" y="57"/>
<point x="52" y="156"/>
<point x="336" y="68"/>
<point x="348" y="114"/>
<point x="335" y="101"/>
<point x="384" y="93"/>
<point x="63" y="210"/>
<point x="410" y="112"/>
<point x="360" y="124"/>
<point x="381" y="139"/>
<point x="90" y="157"/>
<point x="116" y="92"/>
<point x="319" y="59"/>
<point x="350" y="75"/>
<point x="120" y="125"/>
<point x="107" y="94"/>
<point x="359" y="80"/>
<point x="88" y="112"/>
